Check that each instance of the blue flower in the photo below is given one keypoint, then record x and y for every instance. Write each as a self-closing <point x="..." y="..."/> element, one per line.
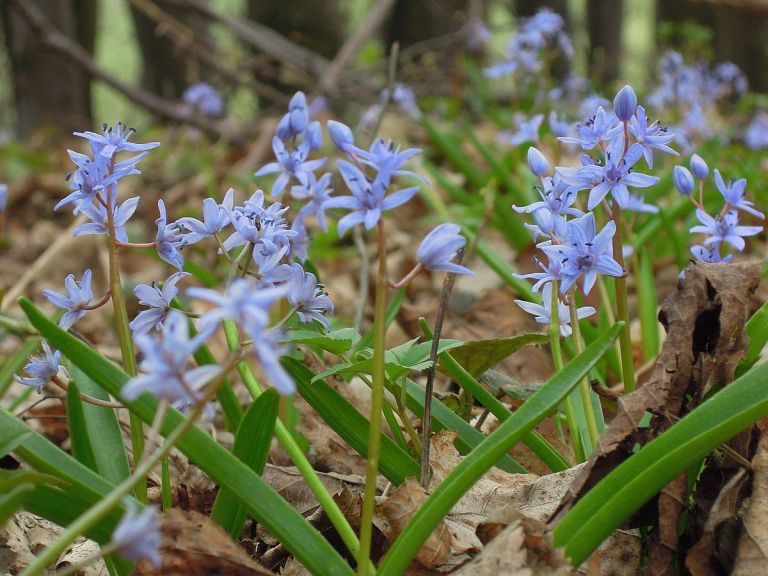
<point x="543" y="313"/>
<point x="548" y="224"/>
<point x="159" y="302"/>
<point x="387" y="159"/>
<point x="265" y="228"/>
<point x="93" y="176"/>
<point x="270" y="270"/>
<point x="552" y="271"/>
<point x="99" y="223"/>
<point x="368" y="198"/>
<point x="734" y="194"/>
<point x="557" y="126"/>
<point x="636" y="203"/>
<point x="600" y="130"/>
<point x="317" y="192"/>
<point x="41" y="369"/>
<point x="291" y="164"/>
<point x="756" y="134"/>
<point x="168" y="239"/>
<point x="241" y="302"/>
<point x="342" y="137"/>
<point x="585" y="252"/>
<point x="439" y="247"/>
<point x="165" y="363"/>
<point x="300" y="242"/>
<point x="616" y="177"/>
<point x="137" y="535"/>
<point x="724" y="228"/>
<point x="204" y="98"/>
<point x="710" y="255"/>
<point x="649" y="137"/>
<point x="114" y="140"/>
<point x="77" y="300"/>
<point x="3" y="197"/>
<point x="215" y="218"/>
<point x="527" y="130"/>
<point x="308" y="297"/>
<point x="557" y="196"/>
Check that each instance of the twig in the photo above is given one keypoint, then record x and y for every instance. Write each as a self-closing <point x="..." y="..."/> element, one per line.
<point x="330" y="80"/>
<point x="189" y="41"/>
<point x="49" y="36"/>
<point x="426" y="421"/>
<point x="263" y="38"/>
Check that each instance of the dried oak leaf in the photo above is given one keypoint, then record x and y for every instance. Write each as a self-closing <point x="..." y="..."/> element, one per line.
<point x="752" y="551"/>
<point x="195" y="545"/>
<point x="704" y="319"/>
<point x="522" y="548"/>
<point x="402" y="503"/>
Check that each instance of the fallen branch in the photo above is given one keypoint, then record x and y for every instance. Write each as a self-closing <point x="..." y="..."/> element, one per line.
<point x="49" y="36"/>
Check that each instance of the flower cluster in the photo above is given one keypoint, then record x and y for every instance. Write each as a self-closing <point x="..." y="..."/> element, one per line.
<point x="533" y="37"/>
<point x="204" y="99"/>
<point x="575" y="249"/>
<point x="724" y="228"/>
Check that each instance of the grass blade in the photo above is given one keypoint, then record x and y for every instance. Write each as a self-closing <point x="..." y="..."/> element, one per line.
<point x="15" y="363"/>
<point x="78" y="428"/>
<point x="636" y="480"/>
<point x="252" y="443"/>
<point x="482" y="458"/>
<point x="13" y="500"/>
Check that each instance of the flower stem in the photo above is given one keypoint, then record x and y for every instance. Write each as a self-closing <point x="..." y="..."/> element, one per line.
<point x="585" y="390"/>
<point x="622" y="310"/>
<point x="557" y="359"/>
<point x="377" y="401"/>
<point x="297" y="456"/>
<point x="124" y="335"/>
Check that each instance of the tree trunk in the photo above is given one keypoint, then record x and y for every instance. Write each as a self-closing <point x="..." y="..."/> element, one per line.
<point x="51" y="92"/>
<point x="741" y="38"/>
<point x="604" y="23"/>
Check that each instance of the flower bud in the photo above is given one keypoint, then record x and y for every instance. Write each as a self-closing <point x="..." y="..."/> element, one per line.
<point x="537" y="162"/>
<point x="699" y="167"/>
<point x="341" y="134"/>
<point x="683" y="179"/>
<point x="314" y="135"/>
<point x="625" y="103"/>
<point x="3" y="197"/>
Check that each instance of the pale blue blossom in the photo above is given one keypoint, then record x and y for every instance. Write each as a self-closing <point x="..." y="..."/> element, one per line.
<point x="77" y="300"/>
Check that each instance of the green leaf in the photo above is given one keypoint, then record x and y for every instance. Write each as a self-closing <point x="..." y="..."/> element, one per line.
<point x="252" y="444"/>
<point x="398" y="361"/>
<point x="103" y="430"/>
<point x="482" y="458"/>
<point x="14" y="434"/>
<point x="15" y="363"/>
<point x="757" y="330"/>
<point x="636" y="480"/>
<point x="394" y="462"/>
<point x="13" y="500"/>
<point x="258" y="498"/>
<point x="453" y="152"/>
<point x="480" y="355"/>
<point x="78" y="432"/>
<point x="337" y="342"/>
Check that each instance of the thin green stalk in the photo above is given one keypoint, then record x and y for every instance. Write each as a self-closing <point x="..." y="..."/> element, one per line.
<point x="622" y="310"/>
<point x="377" y="401"/>
<point x="557" y="359"/>
<point x="124" y="335"/>
<point x="85" y="522"/>
<point x="297" y="456"/>
<point x="585" y="390"/>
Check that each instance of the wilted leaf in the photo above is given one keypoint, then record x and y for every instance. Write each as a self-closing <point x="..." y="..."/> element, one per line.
<point x="752" y="552"/>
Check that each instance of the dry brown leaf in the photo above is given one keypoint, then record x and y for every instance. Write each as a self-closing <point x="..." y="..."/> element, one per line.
<point x="402" y="503"/>
<point x="703" y="558"/>
<point x="752" y="551"/>
<point x="82" y="551"/>
<point x="704" y="319"/>
<point x="523" y="548"/>
<point x="195" y="545"/>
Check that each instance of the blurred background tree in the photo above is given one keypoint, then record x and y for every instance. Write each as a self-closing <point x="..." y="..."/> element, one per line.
<point x="67" y="62"/>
